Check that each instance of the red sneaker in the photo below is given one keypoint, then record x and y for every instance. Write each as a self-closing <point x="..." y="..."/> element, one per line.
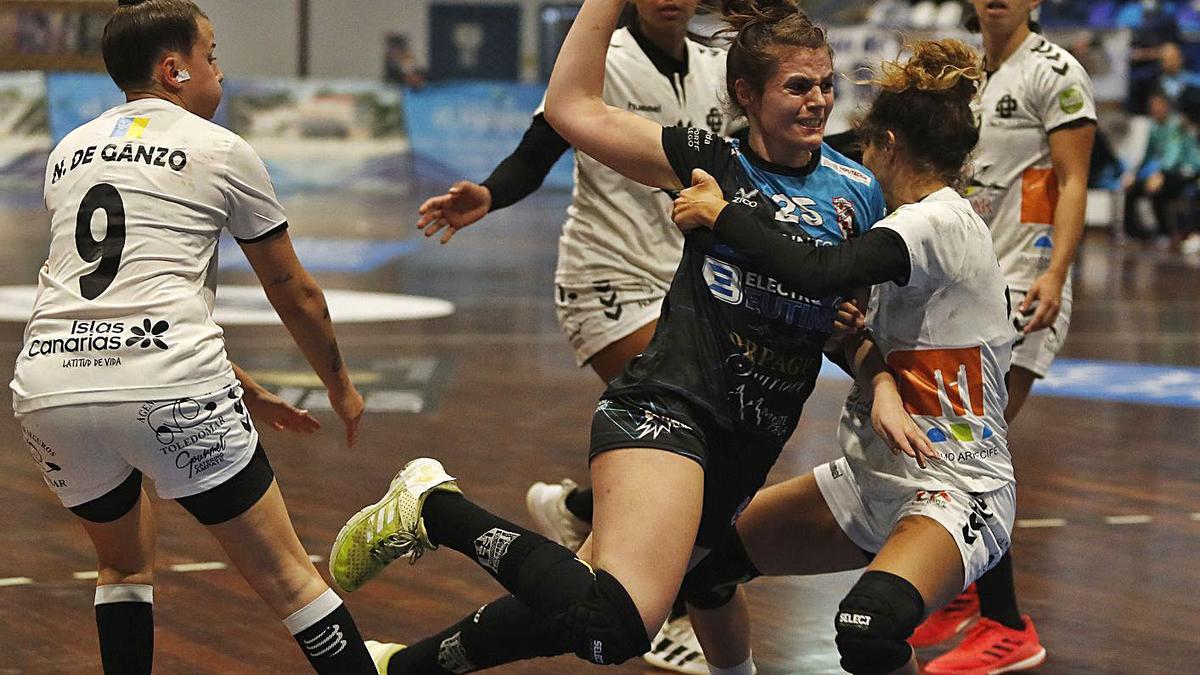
<point x="947" y="621"/>
<point x="991" y="648"/>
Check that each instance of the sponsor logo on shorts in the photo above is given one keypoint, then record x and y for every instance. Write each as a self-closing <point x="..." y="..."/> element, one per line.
<point x="939" y="498"/>
<point x="42" y="452"/>
<point x="653" y="425"/>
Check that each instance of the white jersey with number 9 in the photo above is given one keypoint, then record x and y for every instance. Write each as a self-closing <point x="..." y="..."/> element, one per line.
<point x="138" y="198"/>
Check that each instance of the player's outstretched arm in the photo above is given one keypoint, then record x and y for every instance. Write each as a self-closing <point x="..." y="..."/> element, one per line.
<point x="301" y="306"/>
<point x="514" y="178"/>
<point x="628" y="144"/>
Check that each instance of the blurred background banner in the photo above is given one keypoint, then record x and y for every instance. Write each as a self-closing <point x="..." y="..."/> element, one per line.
<point x="479" y="42"/>
<point x="24" y="128"/>
<point x="463" y="129"/>
<point x="78" y="98"/>
<point x="321" y="134"/>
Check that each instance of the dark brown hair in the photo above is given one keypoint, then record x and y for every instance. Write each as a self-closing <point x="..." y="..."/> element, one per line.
<point x="758" y="27"/>
<point x="139" y="33"/>
<point x="926" y="103"/>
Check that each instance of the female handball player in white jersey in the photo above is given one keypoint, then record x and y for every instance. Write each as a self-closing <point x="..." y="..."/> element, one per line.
<point x="686" y="434"/>
<point x="924" y="494"/>
<point x="123" y="370"/>
<point x="618" y="250"/>
<point x="1037" y="122"/>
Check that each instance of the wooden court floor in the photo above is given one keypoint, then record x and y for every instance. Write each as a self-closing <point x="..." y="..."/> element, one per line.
<point x="502" y="405"/>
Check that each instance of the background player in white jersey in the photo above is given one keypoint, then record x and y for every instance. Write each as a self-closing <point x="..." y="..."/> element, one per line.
<point x="925" y="490"/>
<point x="618" y="250"/>
<point x="1037" y="120"/>
<point x="123" y="370"/>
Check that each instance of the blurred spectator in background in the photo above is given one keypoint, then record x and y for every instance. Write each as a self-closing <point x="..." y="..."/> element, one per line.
<point x="400" y="64"/>
<point x="1166" y="176"/>
<point x="1180" y="86"/>
<point x="1154" y="24"/>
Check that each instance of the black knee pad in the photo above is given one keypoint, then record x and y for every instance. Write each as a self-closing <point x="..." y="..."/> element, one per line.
<point x="114" y="503"/>
<point x="875" y="621"/>
<point x="605" y="627"/>
<point x="236" y="495"/>
<point x="712" y="583"/>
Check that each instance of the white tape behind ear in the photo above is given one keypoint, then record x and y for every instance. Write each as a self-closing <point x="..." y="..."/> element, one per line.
<point x="183" y="75"/>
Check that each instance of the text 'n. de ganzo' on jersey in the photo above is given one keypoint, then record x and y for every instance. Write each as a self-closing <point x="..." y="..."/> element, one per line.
<point x="138" y="199"/>
<point x="738" y="341"/>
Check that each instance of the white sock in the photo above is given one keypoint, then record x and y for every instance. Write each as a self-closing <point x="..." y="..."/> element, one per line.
<point x="310" y="614"/>
<point x="744" y="668"/>
<point x="111" y="593"/>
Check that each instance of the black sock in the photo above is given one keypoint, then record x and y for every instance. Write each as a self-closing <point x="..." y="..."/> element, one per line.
<point x="540" y="572"/>
<point x="579" y="503"/>
<point x="125" y="623"/>
<point x="998" y="594"/>
<point x="328" y="636"/>
<point x="502" y="631"/>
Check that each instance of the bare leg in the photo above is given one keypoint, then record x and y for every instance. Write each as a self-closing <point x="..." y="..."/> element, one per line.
<point x="787" y="530"/>
<point x="610" y="361"/>
<point x="648" y="505"/>
<point x="264" y="548"/>
<point x="125" y="546"/>
<point x="923" y="553"/>
<point x="724" y="632"/>
<point x="1020" y="382"/>
<point x="124" y="599"/>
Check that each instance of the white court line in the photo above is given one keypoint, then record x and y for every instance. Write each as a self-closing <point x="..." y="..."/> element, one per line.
<point x="1041" y="522"/>
<point x="316" y="558"/>
<point x="198" y="567"/>
<point x="90" y="574"/>
<point x="15" y="581"/>
<point x="1127" y="520"/>
<point x="1196" y="516"/>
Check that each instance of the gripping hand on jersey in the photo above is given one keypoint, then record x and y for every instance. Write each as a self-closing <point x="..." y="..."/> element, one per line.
<point x="699" y="205"/>
<point x="464" y="203"/>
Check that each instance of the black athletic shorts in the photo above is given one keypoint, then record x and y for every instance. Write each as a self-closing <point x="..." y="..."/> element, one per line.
<point x="735" y="463"/>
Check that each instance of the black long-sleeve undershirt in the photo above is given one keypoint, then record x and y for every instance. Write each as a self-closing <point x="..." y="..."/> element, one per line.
<point x="522" y="172"/>
<point x="878" y="256"/>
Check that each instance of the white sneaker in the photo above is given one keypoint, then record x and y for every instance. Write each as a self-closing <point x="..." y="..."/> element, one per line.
<point x="381" y="653"/>
<point x="1191" y="245"/>
<point x="548" y="506"/>
<point x="676" y="648"/>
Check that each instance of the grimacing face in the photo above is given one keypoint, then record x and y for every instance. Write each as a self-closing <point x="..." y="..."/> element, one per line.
<point x="795" y="103"/>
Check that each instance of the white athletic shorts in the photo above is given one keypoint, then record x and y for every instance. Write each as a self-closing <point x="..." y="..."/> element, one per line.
<point x="596" y="314"/>
<point x="981" y="524"/>
<point x="186" y="446"/>
<point x="1036" y="351"/>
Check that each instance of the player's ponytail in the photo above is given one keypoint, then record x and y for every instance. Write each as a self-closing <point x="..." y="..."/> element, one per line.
<point x="754" y="28"/>
<point x="937" y="82"/>
<point x="140" y="31"/>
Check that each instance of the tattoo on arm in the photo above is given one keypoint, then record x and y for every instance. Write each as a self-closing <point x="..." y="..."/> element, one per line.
<point x="336" y="362"/>
<point x="281" y="279"/>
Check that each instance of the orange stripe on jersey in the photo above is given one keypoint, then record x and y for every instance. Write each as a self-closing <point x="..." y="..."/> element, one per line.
<point x="1039" y="196"/>
<point x="931" y="380"/>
